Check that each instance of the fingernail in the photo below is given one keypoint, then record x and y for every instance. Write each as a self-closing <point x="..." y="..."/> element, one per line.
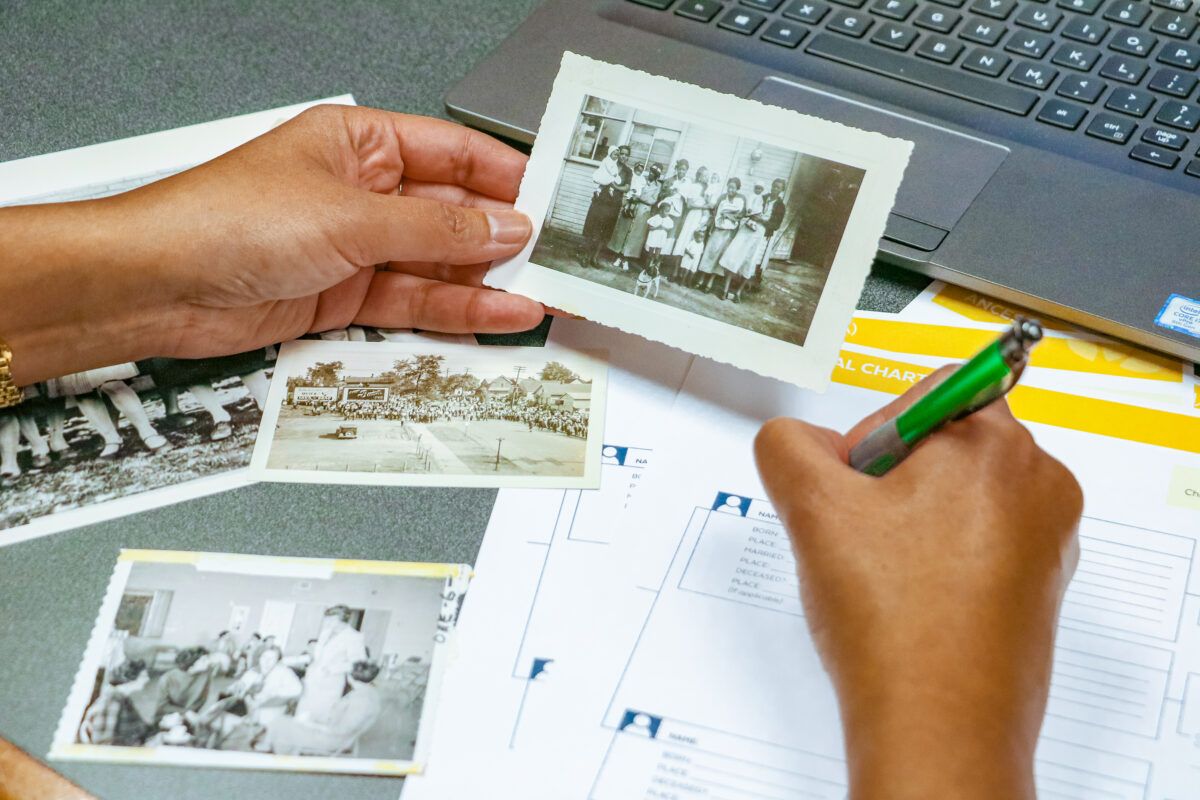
<point x="508" y="227"/>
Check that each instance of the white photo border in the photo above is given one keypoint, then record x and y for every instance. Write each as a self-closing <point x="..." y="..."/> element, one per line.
<point x="64" y="746"/>
<point x="882" y="159"/>
<point x="299" y="353"/>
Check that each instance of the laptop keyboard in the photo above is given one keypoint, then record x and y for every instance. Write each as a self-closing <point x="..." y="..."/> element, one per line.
<point x="1123" y="71"/>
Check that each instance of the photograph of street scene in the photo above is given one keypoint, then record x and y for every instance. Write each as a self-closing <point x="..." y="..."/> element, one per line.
<point x="469" y="411"/>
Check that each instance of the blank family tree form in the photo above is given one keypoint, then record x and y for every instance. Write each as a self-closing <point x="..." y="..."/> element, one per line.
<point x="675" y="661"/>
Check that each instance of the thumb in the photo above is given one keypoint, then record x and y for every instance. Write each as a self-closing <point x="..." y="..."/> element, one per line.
<point x="803" y="467"/>
<point x="404" y="228"/>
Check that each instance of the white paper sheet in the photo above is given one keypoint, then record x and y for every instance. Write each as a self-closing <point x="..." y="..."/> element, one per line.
<point x="538" y="574"/>
<point x="704" y="682"/>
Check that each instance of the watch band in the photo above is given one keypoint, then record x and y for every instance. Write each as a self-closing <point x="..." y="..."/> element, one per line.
<point x="10" y="393"/>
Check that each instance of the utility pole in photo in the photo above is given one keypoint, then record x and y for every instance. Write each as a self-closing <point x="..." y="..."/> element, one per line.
<point x="498" y="441"/>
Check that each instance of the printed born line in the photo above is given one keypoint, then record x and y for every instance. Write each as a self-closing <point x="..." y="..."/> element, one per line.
<point x="1108" y="599"/>
<point x="1126" y="662"/>
<point x="1077" y="785"/>
<point x="1096" y="552"/>
<point x="1105" y="709"/>
<point x="1060" y="674"/>
<point x="1141" y="583"/>
<point x="1114" y="611"/>
<point x="1126" y="591"/>
<point x="1090" y="693"/>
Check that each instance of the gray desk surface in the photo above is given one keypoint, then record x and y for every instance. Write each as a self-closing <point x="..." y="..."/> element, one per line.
<point x="80" y="73"/>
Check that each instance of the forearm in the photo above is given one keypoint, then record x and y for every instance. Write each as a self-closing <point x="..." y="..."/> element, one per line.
<point x="77" y="294"/>
<point x="22" y="777"/>
<point x="905" y="748"/>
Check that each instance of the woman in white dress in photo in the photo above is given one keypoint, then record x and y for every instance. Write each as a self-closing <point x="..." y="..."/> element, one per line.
<point x="728" y="214"/>
<point x="738" y="260"/>
<point x="110" y="381"/>
<point x="697" y="211"/>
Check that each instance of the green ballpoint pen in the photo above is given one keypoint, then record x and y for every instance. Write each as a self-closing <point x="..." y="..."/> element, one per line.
<point x="986" y="377"/>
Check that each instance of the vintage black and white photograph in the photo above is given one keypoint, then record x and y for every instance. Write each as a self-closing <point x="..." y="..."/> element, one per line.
<point x="715" y="224"/>
<point x="250" y="661"/>
<point x="433" y="414"/>
<point x="120" y="439"/>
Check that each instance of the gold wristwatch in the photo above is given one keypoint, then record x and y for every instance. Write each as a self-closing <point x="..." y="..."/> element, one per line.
<point x="10" y="394"/>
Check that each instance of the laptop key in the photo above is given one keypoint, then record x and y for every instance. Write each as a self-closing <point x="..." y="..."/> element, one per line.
<point x="1111" y="129"/>
<point x="1033" y="45"/>
<point x="1081" y="87"/>
<point x="784" y="33"/>
<point x="850" y="23"/>
<point x="741" y="21"/>
<point x="982" y="31"/>
<point x="699" y="10"/>
<point x="1180" y="54"/>
<point x="1128" y="12"/>
<point x="1179" y="115"/>
<point x="810" y="11"/>
<point x="1135" y="43"/>
<point x="661" y="5"/>
<point x="996" y="9"/>
<point x="986" y="92"/>
<point x="1174" y="5"/>
<point x="894" y="9"/>
<point x="1082" y="6"/>
<point x="1172" y="23"/>
<point x="763" y="5"/>
<point x="1157" y="156"/>
<point x="1193" y="168"/>
<point x="952" y="3"/>
<point x="1173" y="82"/>
<point x="1081" y="29"/>
<point x="1063" y="115"/>
<point x="986" y="62"/>
<point x="937" y="19"/>
<point x="939" y="48"/>
<point x="897" y="37"/>
<point x="1124" y="69"/>
<point x="1134" y="102"/>
<point x="1075" y="56"/>
<point x="1165" y="138"/>
<point x="1035" y="76"/>
<point x="1038" y="18"/>
<point x="852" y="3"/>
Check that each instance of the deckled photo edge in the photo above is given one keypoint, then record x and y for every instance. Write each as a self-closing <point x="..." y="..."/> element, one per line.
<point x="455" y="580"/>
<point x="881" y="158"/>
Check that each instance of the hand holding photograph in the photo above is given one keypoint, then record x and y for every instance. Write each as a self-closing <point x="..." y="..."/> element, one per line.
<point x="432" y="414"/>
<point x="721" y="226"/>
<point x="262" y="662"/>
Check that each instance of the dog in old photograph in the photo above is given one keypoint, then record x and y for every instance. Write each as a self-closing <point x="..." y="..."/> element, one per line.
<point x="717" y="224"/>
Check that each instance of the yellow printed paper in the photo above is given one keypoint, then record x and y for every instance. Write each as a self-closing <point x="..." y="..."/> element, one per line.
<point x="948" y="341"/>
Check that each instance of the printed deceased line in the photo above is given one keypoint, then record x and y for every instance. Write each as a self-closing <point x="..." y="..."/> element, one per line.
<point x="1033" y="404"/>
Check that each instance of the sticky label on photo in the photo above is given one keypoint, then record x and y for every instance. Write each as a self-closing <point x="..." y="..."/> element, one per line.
<point x="1180" y="314"/>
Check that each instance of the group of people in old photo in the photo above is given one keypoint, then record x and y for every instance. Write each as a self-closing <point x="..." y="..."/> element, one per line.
<point x="243" y="695"/>
<point x="687" y="225"/>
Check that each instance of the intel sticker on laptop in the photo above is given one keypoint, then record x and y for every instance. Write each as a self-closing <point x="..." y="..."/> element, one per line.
<point x="1181" y="314"/>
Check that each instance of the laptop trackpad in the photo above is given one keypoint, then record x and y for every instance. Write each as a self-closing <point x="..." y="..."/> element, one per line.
<point x="947" y="170"/>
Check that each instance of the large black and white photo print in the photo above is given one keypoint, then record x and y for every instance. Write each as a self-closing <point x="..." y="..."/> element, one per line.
<point x="299" y="664"/>
<point x="118" y="439"/>
<point x="714" y="224"/>
<point x="433" y="414"/>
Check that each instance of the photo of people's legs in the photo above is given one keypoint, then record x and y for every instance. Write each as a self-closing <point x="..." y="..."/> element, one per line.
<point x="130" y="406"/>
